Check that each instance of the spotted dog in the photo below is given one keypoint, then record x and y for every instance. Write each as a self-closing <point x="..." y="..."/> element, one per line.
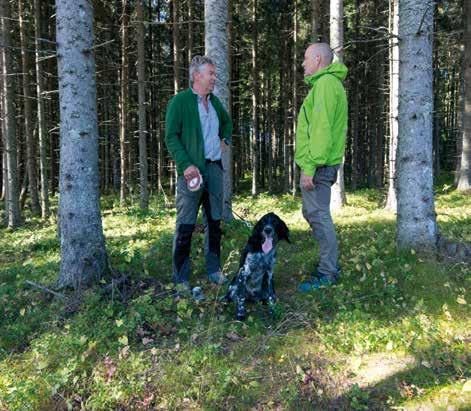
<point x="254" y="279"/>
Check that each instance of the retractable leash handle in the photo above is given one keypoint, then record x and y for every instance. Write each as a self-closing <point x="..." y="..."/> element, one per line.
<point x="195" y="183"/>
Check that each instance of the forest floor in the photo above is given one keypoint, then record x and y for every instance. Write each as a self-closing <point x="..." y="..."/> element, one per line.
<point x="394" y="333"/>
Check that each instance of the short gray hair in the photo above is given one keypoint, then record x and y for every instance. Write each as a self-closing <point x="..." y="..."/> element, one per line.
<point x="197" y="63"/>
<point x="323" y="50"/>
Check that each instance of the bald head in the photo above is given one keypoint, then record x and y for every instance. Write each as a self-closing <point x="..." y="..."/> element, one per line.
<point x="316" y="57"/>
<point x="322" y="50"/>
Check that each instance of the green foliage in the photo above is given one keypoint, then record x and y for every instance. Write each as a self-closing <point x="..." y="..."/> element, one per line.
<point x="394" y="330"/>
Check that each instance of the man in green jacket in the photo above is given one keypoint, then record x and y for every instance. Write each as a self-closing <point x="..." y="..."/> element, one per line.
<point x="320" y="146"/>
<point x="198" y="129"/>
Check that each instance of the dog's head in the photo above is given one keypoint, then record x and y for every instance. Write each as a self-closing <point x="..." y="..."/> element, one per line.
<point x="268" y="231"/>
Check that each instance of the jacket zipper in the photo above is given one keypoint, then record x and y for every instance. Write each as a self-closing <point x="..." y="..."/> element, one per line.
<point x="307" y="121"/>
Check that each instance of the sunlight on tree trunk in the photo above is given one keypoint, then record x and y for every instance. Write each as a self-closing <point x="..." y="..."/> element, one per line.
<point x="391" y="200"/>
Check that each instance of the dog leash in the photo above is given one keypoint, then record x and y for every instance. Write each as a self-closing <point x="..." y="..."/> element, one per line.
<point x="248" y="224"/>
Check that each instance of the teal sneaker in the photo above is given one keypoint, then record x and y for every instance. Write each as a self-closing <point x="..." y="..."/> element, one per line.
<point x="316" y="283"/>
<point x="184" y="290"/>
<point x="197" y="294"/>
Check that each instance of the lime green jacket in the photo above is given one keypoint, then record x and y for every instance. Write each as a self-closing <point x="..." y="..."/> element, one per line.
<point x="322" y="120"/>
<point x="183" y="135"/>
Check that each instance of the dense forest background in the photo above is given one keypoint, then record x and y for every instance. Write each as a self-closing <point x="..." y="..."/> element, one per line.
<point x="267" y="40"/>
<point x="90" y="318"/>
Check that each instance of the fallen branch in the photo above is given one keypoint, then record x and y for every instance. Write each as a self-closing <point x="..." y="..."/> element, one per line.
<point x="44" y="288"/>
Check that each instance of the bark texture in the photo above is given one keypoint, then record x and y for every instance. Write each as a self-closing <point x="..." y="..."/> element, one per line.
<point x="217" y="47"/>
<point x="176" y="45"/>
<point x="28" y="122"/>
<point x="40" y="111"/>
<point x="124" y="104"/>
<point x="83" y="254"/>
<point x="141" y="79"/>
<point x="12" y="192"/>
<point x="316" y="18"/>
<point x="464" y="178"/>
<point x="416" y="222"/>
<point x="255" y="98"/>
<point x="391" y="200"/>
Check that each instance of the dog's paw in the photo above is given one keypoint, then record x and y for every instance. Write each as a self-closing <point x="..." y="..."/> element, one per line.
<point x="241" y="313"/>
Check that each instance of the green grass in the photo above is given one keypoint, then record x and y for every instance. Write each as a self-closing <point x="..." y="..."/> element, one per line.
<point x="395" y="332"/>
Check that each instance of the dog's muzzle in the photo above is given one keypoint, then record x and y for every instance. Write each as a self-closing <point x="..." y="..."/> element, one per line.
<point x="267" y="244"/>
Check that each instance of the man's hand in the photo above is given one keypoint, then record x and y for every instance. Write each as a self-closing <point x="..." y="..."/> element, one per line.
<point x="224" y="146"/>
<point x="306" y="182"/>
<point x="190" y="173"/>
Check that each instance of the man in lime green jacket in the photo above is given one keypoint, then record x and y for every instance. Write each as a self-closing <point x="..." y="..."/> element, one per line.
<point x="320" y="146"/>
<point x="197" y="131"/>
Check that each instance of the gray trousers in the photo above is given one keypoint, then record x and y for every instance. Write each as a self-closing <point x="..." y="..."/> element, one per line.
<point x="188" y="204"/>
<point x="316" y="211"/>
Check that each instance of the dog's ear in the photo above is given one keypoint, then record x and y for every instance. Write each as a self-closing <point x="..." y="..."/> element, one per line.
<point x="282" y="230"/>
<point x="258" y="228"/>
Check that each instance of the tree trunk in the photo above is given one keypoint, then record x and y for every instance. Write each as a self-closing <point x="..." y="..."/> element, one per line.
<point x="254" y="144"/>
<point x="83" y="254"/>
<point x="416" y="223"/>
<point x="338" y="199"/>
<point x="30" y="144"/>
<point x="141" y="78"/>
<point x="270" y="130"/>
<point x="190" y="31"/>
<point x="51" y="107"/>
<point x="380" y="126"/>
<point x="464" y="178"/>
<point x="316" y="19"/>
<point x="176" y="76"/>
<point x="124" y="104"/>
<point x="294" y="179"/>
<point x="216" y="17"/>
<point x="391" y="200"/>
<point x="13" y="200"/>
<point x="158" y="128"/>
<point x="4" y="182"/>
<point x="40" y="111"/>
<point x="358" y="90"/>
<point x="176" y="46"/>
<point x="3" y="196"/>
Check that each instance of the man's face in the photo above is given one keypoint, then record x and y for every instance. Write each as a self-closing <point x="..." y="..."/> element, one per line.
<point x="205" y="79"/>
<point x="311" y="61"/>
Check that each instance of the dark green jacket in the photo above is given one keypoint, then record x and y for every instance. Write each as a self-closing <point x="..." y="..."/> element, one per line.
<point x="183" y="134"/>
